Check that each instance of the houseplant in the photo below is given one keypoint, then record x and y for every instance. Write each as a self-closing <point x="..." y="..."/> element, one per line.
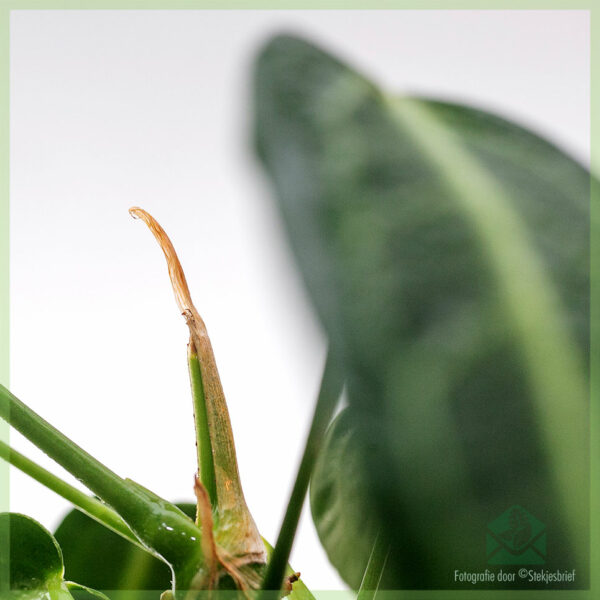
<point x="447" y="254"/>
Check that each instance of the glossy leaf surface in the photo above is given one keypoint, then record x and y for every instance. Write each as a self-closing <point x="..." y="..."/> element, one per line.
<point x="101" y="559"/>
<point x="34" y="561"/>
<point x="447" y="254"/>
<point x="32" y="568"/>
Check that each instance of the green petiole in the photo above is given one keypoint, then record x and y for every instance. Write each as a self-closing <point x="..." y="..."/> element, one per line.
<point x="166" y="531"/>
<point x="206" y="465"/>
<point x="91" y="506"/>
<point x="329" y="394"/>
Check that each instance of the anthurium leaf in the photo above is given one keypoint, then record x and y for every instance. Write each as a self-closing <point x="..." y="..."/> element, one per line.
<point x="99" y="558"/>
<point x="31" y="567"/>
<point x="447" y="254"/>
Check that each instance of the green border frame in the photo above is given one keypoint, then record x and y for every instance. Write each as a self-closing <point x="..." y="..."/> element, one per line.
<point x="592" y="5"/>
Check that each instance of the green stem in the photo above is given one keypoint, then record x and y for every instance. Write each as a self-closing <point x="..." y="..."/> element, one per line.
<point x="206" y="466"/>
<point x="98" y="478"/>
<point x="329" y="393"/>
<point x="374" y="571"/>
<point x="89" y="505"/>
<point x="158" y="524"/>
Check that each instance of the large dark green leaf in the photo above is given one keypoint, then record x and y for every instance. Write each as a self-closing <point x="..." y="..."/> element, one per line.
<point x="31" y="563"/>
<point x="447" y="254"/>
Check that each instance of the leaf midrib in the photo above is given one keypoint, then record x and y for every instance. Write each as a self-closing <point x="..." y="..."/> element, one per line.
<point x="555" y="366"/>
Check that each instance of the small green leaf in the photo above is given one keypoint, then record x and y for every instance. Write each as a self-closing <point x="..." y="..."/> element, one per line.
<point x="34" y="561"/>
<point x="33" y="569"/>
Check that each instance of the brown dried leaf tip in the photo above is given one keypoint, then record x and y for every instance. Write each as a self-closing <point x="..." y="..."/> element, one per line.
<point x="233" y="543"/>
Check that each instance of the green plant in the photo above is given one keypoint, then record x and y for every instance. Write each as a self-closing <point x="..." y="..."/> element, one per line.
<point x="220" y="547"/>
<point x="447" y="254"/>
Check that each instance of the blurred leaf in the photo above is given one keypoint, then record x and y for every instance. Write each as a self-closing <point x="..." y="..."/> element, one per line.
<point x="32" y="569"/>
<point x="375" y="570"/>
<point x="447" y="254"/>
<point x="339" y="502"/>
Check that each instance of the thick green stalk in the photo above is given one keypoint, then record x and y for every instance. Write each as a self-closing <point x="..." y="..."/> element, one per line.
<point x="206" y="465"/>
<point x="88" y="504"/>
<point x="329" y="393"/>
<point x="374" y="571"/>
<point x="158" y="524"/>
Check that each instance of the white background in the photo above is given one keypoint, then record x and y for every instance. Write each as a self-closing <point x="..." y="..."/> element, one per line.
<point x="111" y="109"/>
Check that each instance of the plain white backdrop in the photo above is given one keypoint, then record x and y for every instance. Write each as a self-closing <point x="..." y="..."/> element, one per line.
<point x="111" y="109"/>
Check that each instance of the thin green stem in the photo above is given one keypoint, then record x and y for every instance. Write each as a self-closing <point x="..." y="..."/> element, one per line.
<point x="374" y="571"/>
<point x="206" y="465"/>
<point x="329" y="393"/>
<point x="88" y="504"/>
<point x="158" y="524"/>
<point x="94" y="475"/>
